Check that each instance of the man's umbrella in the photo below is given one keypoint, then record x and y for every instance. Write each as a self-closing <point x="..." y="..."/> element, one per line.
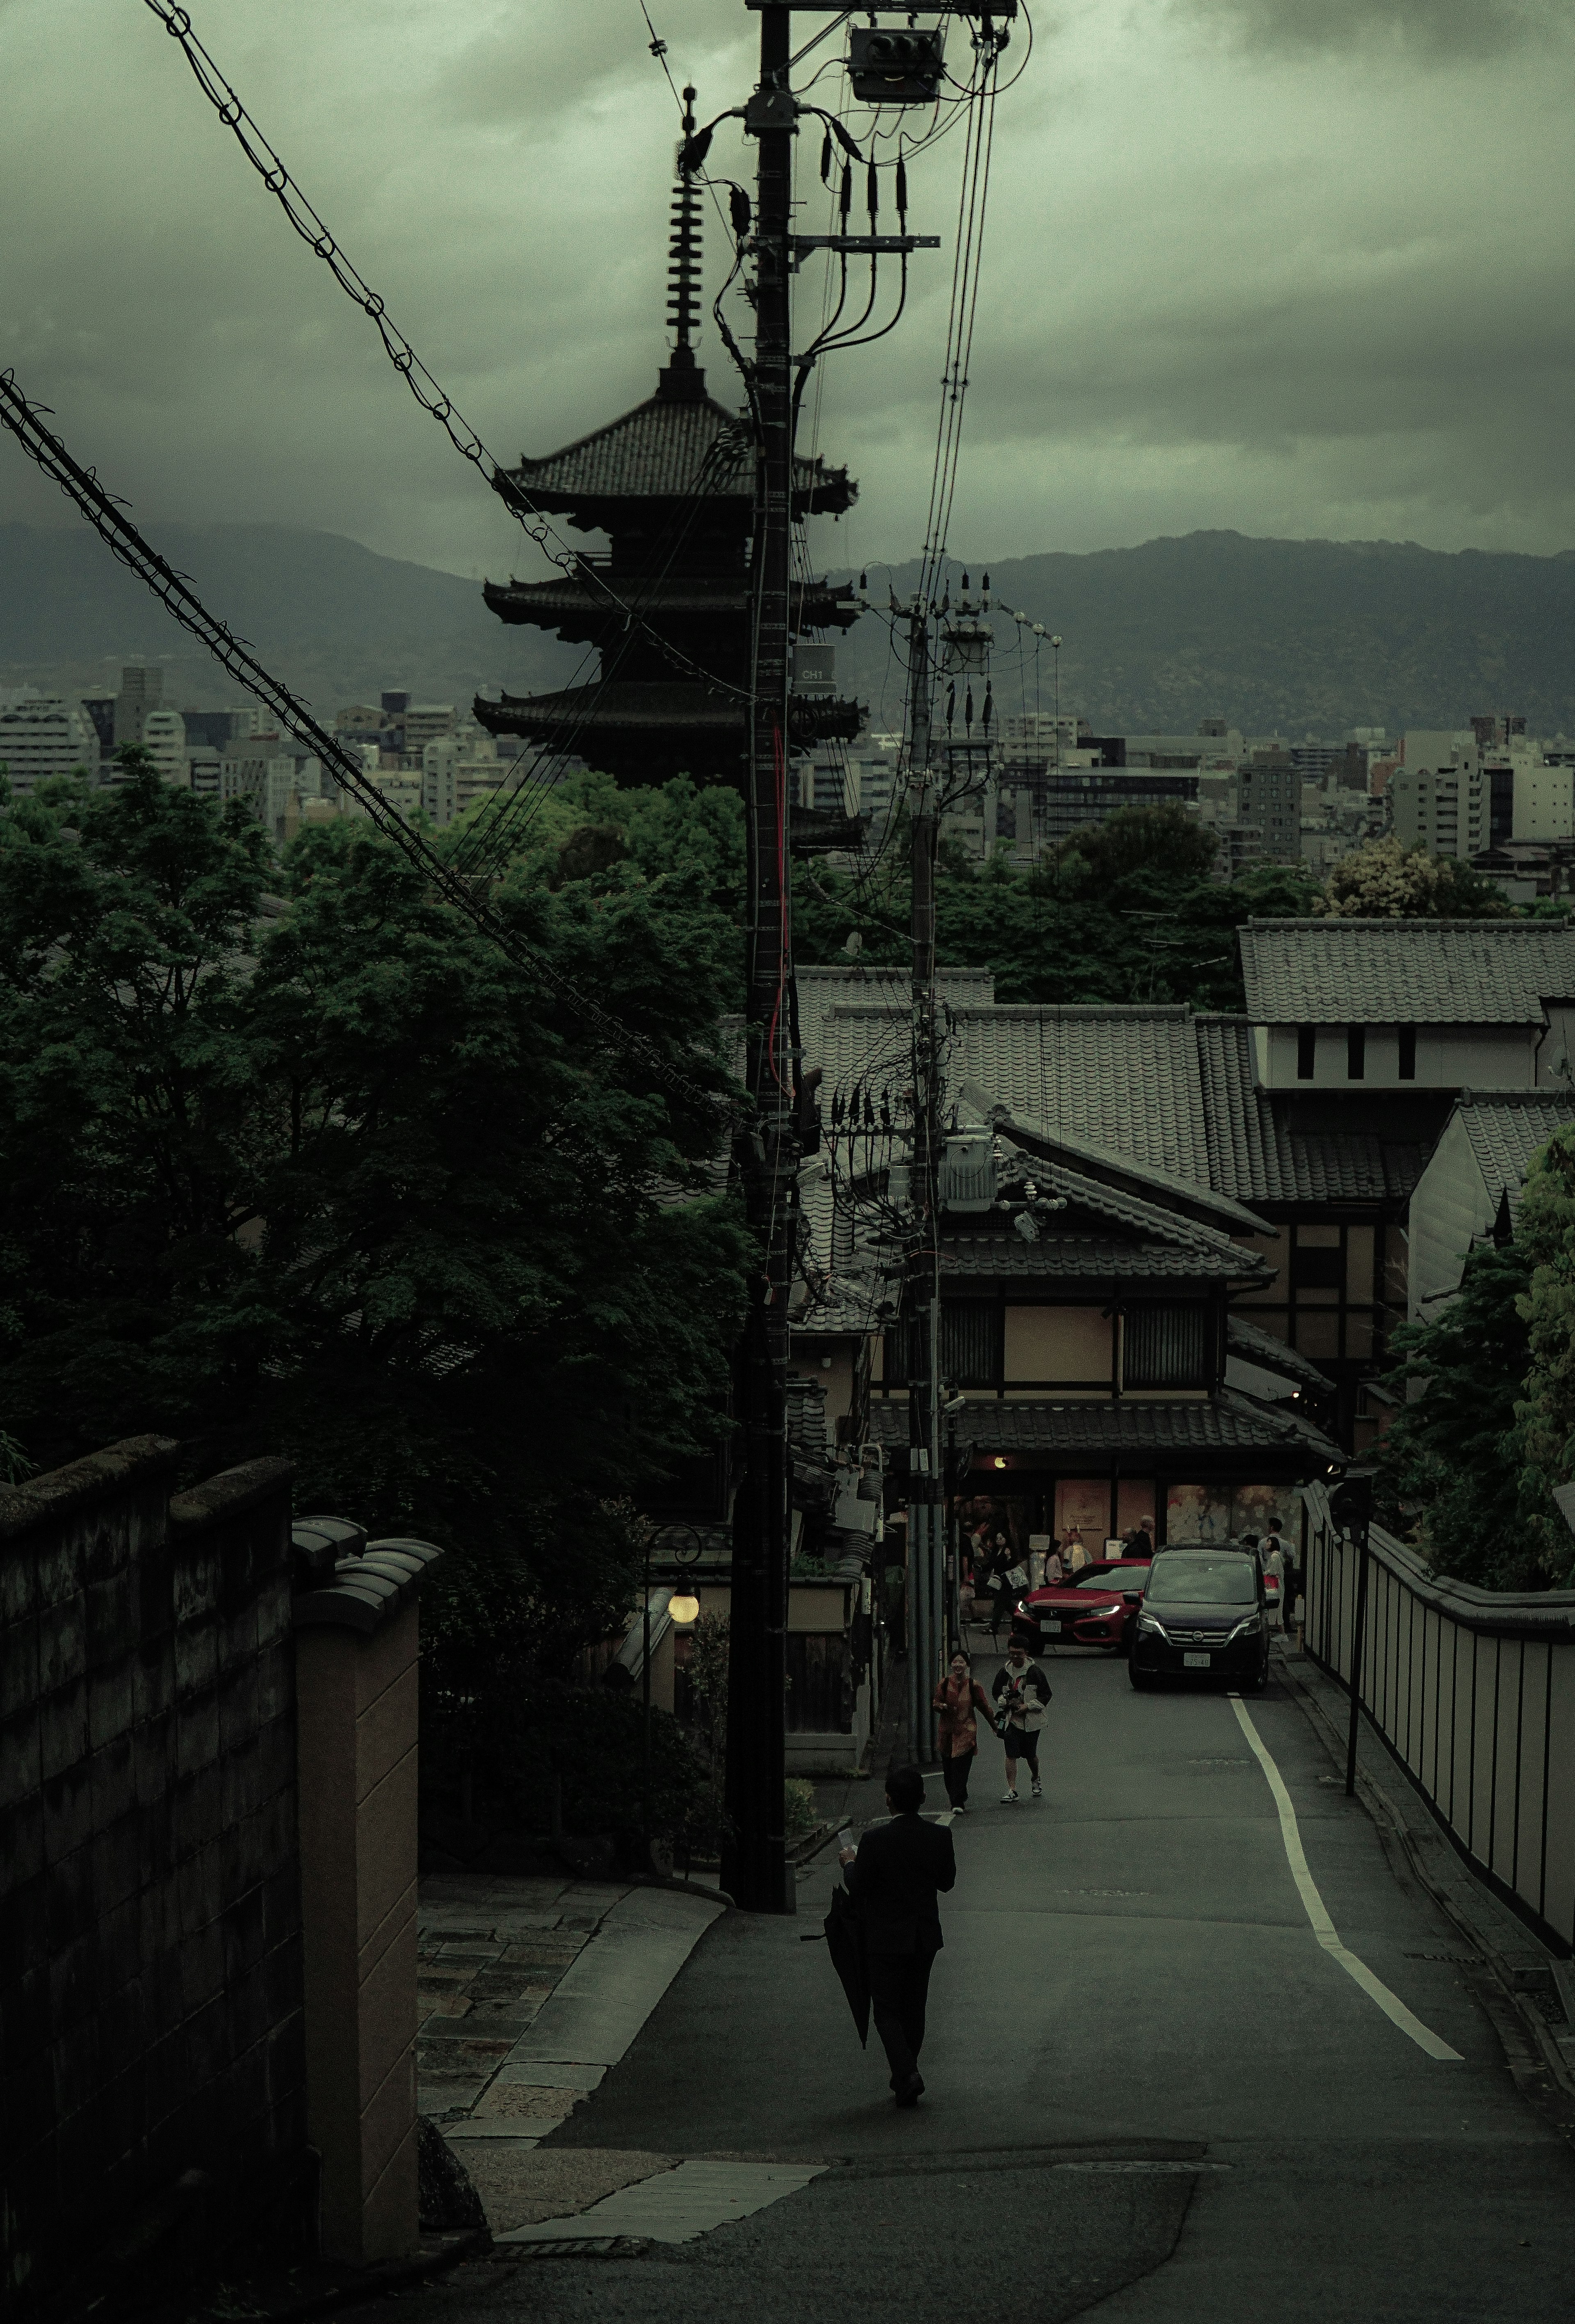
<point x="844" y="1940"/>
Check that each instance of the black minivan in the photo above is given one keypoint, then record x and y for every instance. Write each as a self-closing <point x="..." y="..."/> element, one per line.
<point x="1203" y="1616"/>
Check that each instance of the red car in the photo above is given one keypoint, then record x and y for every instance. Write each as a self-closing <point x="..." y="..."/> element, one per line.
<point x="1090" y="1609"/>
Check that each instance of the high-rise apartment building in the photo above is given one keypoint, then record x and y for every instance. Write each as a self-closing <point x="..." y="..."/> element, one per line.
<point x="424" y="723"/>
<point x="1440" y="796"/>
<point x="45" y="734"/>
<point x="164" y="740"/>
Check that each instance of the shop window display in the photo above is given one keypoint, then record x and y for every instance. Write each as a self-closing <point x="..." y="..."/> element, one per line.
<point x="1215" y="1513"/>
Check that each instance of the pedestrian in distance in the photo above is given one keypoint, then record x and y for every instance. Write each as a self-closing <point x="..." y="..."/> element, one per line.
<point x="1140" y="1540"/>
<point x="1054" y="1572"/>
<point x="1076" y="1555"/>
<point x="894" y="1877"/>
<point x="1272" y="1560"/>
<point x="958" y="1698"/>
<point x="1022" y="1694"/>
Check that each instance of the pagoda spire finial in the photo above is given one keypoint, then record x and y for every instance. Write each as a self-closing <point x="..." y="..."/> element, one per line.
<point x="683" y="377"/>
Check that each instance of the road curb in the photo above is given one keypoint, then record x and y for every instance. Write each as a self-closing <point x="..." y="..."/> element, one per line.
<point x="1419" y="1843"/>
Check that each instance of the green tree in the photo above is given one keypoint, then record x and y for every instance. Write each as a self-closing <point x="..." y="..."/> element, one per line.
<point x="1545" y="1229"/>
<point x="1384" y="881"/>
<point x="1453" y="1459"/>
<point x="1124" y="922"/>
<point x="296" y="1159"/>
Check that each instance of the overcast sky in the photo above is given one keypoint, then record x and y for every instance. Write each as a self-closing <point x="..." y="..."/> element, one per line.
<point x="1295" y="267"/>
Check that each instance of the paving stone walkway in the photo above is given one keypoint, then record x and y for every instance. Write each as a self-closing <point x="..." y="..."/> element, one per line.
<point x="530" y="1989"/>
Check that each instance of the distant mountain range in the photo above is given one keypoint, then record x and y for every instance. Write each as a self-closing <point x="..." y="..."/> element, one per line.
<point x="333" y="620"/>
<point x="1286" y="636"/>
<point x="1274" y="636"/>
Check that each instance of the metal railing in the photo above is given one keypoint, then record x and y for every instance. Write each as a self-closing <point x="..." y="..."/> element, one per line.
<point x="1474" y="1692"/>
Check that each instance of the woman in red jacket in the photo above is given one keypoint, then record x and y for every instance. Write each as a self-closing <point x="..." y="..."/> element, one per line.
<point x="958" y="1698"/>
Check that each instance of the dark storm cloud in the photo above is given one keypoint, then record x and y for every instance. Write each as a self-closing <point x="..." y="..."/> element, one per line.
<point x="1425" y="29"/>
<point x="1245" y="268"/>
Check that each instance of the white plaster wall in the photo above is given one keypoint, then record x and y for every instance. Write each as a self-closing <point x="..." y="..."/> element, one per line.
<point x="1448" y="1056"/>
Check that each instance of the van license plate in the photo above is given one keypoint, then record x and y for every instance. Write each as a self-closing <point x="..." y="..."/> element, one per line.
<point x="1197" y="1662"/>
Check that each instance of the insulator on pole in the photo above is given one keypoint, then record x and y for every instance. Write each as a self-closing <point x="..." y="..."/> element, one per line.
<point x="901" y="189"/>
<point x="846" y="202"/>
<point x="968" y="711"/>
<point x="826" y="159"/>
<point x="873" y="190"/>
<point x="739" y="204"/>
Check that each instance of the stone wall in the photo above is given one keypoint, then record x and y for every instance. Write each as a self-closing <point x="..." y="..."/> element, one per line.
<point x="151" y="1983"/>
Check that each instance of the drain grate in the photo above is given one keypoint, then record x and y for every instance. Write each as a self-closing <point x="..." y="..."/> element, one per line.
<point x="1458" y="1960"/>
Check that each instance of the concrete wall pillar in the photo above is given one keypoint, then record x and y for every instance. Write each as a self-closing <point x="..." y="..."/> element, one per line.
<point x="357" y="1660"/>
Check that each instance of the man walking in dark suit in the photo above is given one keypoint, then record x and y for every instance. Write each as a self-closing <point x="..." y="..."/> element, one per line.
<point x="894" y="1878"/>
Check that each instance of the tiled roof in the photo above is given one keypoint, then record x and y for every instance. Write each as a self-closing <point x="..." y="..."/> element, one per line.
<point x="1405" y="972"/>
<point x="658" y="451"/>
<point x="1508" y="1127"/>
<point x="1071" y="1258"/>
<point x="1255" y="1157"/>
<point x="1082" y="1154"/>
<point x="1221" y="1424"/>
<point x="878" y="1001"/>
<point x="1177" y="1245"/>
<point x="1256" y="1346"/>
<point x="1121" y="1077"/>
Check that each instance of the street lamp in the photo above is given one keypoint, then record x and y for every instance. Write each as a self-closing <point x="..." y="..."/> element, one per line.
<point x="681" y="1546"/>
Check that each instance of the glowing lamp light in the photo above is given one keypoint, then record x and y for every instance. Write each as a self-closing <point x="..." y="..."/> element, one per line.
<point x="683" y="1608"/>
<point x="1001" y="1462"/>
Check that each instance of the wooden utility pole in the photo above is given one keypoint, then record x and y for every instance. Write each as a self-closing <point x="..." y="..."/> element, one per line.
<point x="754" y="1864"/>
<point x="920" y="1304"/>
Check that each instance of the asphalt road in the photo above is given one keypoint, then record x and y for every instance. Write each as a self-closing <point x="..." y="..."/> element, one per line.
<point x="1149" y="2086"/>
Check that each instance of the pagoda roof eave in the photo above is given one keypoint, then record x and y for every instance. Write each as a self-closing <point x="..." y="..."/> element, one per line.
<point x="662" y="451"/>
<point x="656" y="705"/>
<point x="546" y="604"/>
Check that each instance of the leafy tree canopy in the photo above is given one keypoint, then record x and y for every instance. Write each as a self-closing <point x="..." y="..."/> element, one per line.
<point x="295" y="1160"/>
<point x="1452" y="1458"/>
<point x="1545" y="1417"/>
<point x="1122" y="912"/>
<point x="1384" y="881"/>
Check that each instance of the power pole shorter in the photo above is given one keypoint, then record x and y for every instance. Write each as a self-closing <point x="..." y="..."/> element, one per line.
<point x="920" y="1304"/>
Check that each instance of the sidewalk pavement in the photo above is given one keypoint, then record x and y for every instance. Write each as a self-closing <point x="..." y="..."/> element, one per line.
<point x="530" y="1991"/>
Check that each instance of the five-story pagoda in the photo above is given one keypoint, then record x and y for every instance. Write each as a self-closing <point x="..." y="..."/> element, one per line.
<point x="672" y="485"/>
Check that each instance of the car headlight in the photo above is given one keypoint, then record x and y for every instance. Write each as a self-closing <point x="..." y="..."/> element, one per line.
<point x="1245" y="1628"/>
<point x="1152" y="1628"/>
<point x="1102" y="1614"/>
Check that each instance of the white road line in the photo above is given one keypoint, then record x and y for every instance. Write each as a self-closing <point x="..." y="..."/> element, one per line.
<point x="1323" y="1928"/>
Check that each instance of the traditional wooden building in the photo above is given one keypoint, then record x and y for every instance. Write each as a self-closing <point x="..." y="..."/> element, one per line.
<point x="671" y="484"/>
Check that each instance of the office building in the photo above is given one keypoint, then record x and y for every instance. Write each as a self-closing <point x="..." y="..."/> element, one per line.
<point x="141" y="689"/>
<point x="1268" y="788"/>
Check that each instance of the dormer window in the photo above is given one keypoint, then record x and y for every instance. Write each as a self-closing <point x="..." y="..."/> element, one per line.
<point x="1407" y="1052"/>
<point x="1356" y="1052"/>
<point x="1306" y="1053"/>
